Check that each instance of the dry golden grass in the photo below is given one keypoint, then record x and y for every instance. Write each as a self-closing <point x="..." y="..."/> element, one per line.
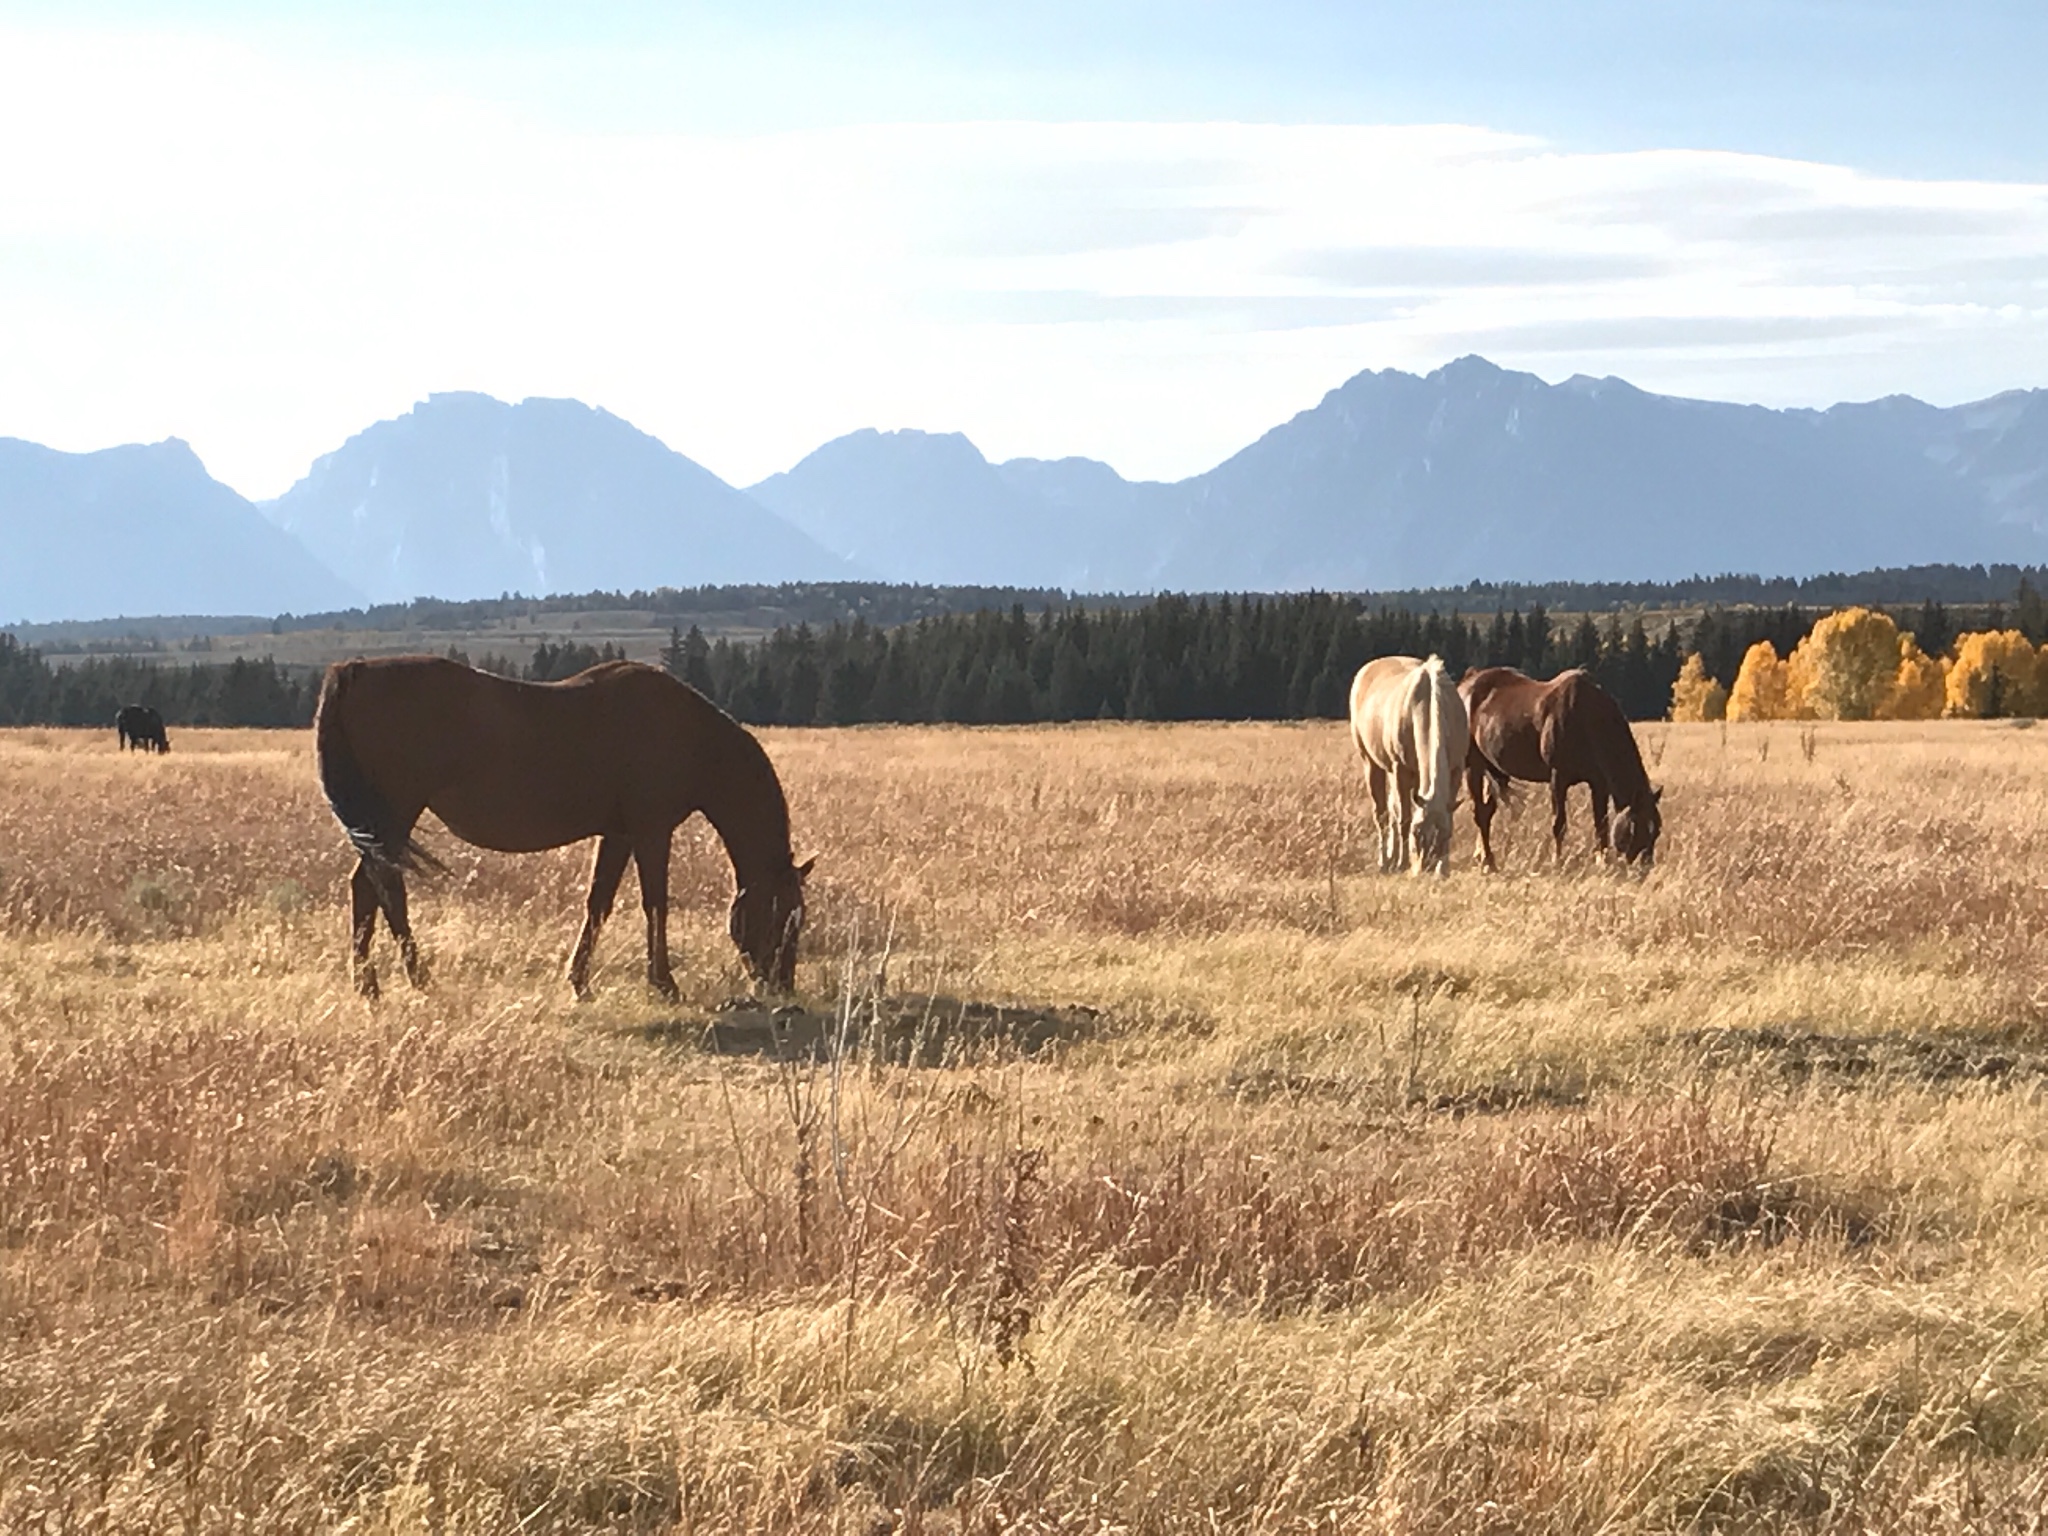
<point x="1556" y="1202"/>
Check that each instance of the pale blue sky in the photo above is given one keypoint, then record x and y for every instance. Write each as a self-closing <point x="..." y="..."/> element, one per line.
<point x="1139" y="231"/>
<point x="1903" y="87"/>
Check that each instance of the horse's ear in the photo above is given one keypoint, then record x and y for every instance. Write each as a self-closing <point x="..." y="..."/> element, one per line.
<point x="1656" y="795"/>
<point x="803" y="870"/>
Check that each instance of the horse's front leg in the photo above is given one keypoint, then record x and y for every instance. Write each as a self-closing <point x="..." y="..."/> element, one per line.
<point x="1601" y="840"/>
<point x="651" y="855"/>
<point x="362" y="899"/>
<point x="605" y="874"/>
<point x="1558" y="791"/>
<point x="1382" y="813"/>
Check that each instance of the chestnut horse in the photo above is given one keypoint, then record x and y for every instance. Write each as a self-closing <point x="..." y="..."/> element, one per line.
<point x="623" y="752"/>
<point x="1408" y="723"/>
<point x="1564" y="732"/>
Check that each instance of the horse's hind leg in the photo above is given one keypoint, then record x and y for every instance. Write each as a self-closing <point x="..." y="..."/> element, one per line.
<point x="1479" y="790"/>
<point x="1407" y="794"/>
<point x="362" y="916"/>
<point x="391" y="895"/>
<point x="650" y="854"/>
<point x="612" y="854"/>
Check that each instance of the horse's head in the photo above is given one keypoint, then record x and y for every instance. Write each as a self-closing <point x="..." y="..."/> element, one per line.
<point x="1431" y="831"/>
<point x="767" y="918"/>
<point x="1636" y="828"/>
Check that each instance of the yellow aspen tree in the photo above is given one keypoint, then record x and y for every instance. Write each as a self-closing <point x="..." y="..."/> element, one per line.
<point x="1996" y="672"/>
<point x="1762" y="688"/>
<point x="1696" y="696"/>
<point x="1922" y="685"/>
<point x="1847" y="666"/>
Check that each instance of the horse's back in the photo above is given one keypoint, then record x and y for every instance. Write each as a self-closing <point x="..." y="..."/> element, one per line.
<point x="1568" y="727"/>
<point x="1590" y="736"/>
<point x="1379" y="698"/>
<point x="1404" y="710"/>
<point x="1507" y="710"/>
<point x="522" y="766"/>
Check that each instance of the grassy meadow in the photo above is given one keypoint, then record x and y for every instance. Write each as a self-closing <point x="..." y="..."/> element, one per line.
<point x="1275" y="1195"/>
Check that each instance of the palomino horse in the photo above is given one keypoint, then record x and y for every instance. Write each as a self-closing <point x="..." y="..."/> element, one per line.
<point x="1409" y="725"/>
<point x="1564" y="732"/>
<point x="623" y="753"/>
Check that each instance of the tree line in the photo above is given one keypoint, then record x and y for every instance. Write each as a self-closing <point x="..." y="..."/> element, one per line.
<point x="1170" y="658"/>
<point x="242" y="692"/>
<point x="888" y="604"/>
<point x="262" y="692"/>
<point x="1175" y="658"/>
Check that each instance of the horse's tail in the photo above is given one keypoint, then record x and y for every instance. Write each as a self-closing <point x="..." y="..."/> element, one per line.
<point x="363" y="813"/>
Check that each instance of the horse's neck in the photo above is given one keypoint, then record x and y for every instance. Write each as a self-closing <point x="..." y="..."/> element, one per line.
<point x="1628" y="781"/>
<point x="742" y="799"/>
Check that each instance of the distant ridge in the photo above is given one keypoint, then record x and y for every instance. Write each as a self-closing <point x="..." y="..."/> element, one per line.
<point x="1392" y="483"/>
<point x="466" y="496"/>
<point x="1472" y="472"/>
<point x="927" y="507"/>
<point x="141" y="529"/>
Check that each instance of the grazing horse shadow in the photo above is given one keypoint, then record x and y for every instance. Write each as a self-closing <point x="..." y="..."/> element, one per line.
<point x="901" y="1031"/>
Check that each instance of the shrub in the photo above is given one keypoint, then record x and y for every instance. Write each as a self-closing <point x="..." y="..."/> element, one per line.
<point x="1995" y="673"/>
<point x="1696" y="696"/>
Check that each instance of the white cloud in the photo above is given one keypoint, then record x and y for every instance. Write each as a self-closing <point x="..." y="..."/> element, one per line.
<point x="262" y="256"/>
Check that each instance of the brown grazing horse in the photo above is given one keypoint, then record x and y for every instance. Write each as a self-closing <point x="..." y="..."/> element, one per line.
<point x="623" y="752"/>
<point x="1564" y="732"/>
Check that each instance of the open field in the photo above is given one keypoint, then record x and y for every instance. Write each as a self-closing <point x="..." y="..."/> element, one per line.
<point x="1285" y="1197"/>
<point x="640" y="635"/>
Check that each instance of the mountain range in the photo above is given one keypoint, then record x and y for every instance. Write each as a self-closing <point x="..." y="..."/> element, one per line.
<point x="143" y="530"/>
<point x="1392" y="481"/>
<point x="466" y="496"/>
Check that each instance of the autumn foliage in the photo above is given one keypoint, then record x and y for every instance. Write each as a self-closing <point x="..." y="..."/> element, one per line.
<point x="1996" y="672"/>
<point x="1857" y="664"/>
<point x="1697" y="696"/>
<point x="1763" y="686"/>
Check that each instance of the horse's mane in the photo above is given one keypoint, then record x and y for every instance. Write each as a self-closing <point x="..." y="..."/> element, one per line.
<point x="1439" y="767"/>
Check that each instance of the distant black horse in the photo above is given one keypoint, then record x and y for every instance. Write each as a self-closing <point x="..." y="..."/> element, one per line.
<point x="141" y="727"/>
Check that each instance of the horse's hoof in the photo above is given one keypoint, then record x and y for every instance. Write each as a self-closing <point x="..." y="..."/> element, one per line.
<point x="366" y="985"/>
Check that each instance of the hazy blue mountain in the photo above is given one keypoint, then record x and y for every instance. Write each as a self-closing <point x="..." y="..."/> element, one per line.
<point x="142" y="530"/>
<point x="926" y="506"/>
<point x="467" y="496"/>
<point x="1475" y="472"/>
<point x="1470" y="473"/>
<point x="1392" y="481"/>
